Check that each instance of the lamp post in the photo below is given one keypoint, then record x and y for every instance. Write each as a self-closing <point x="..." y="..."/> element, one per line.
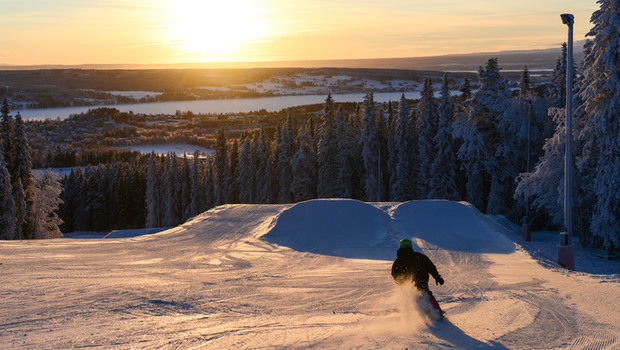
<point x="566" y="250"/>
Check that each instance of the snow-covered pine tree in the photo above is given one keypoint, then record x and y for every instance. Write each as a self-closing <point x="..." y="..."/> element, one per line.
<point x="304" y="169"/>
<point x="370" y="150"/>
<point x="426" y="129"/>
<point x="382" y="140"/>
<point x="599" y="161"/>
<point x="327" y="153"/>
<point x="443" y="166"/>
<point x="403" y="186"/>
<point x="207" y="185"/>
<point x="186" y="188"/>
<point x="7" y="205"/>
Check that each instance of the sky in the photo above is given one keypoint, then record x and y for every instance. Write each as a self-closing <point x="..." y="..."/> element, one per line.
<point x="73" y="32"/>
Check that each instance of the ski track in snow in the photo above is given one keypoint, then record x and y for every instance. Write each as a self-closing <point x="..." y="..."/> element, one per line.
<point x="230" y="279"/>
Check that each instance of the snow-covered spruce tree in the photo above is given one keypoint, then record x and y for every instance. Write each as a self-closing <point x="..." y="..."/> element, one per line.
<point x="153" y="212"/>
<point x="221" y="169"/>
<point x="545" y="184"/>
<point x="370" y="150"/>
<point x="403" y="186"/>
<point x="472" y="154"/>
<point x="7" y="205"/>
<point x="285" y="151"/>
<point x="465" y="90"/>
<point x="599" y="161"/>
<point x="488" y="102"/>
<point x="304" y="169"/>
<point x="556" y="90"/>
<point x="426" y="129"/>
<point x="443" y="166"/>
<point x="186" y="188"/>
<point x="46" y="203"/>
<point x="327" y="153"/>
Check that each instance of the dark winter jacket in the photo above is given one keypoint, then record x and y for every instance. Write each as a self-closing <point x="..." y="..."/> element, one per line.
<point x="414" y="266"/>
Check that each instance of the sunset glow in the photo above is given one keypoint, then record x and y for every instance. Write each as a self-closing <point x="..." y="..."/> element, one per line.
<point x="167" y="31"/>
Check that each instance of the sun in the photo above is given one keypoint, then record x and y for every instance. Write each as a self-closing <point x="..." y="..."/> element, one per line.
<point x="215" y="29"/>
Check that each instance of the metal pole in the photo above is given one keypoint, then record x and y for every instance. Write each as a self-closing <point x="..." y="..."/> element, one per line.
<point x="566" y="255"/>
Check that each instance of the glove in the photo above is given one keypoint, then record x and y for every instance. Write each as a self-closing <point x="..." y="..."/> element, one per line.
<point x="439" y="281"/>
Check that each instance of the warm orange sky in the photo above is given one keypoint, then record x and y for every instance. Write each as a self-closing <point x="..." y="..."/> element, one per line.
<point x="179" y="31"/>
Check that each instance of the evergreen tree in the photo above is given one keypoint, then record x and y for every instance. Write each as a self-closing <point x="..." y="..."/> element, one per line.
<point x="304" y="169"/>
<point x="233" y="161"/>
<point x="7" y="205"/>
<point x="465" y="90"/>
<point x="599" y="161"/>
<point x="524" y="84"/>
<point x="285" y="152"/>
<point x="345" y="157"/>
<point x="47" y="190"/>
<point x="443" y="166"/>
<point x="221" y="169"/>
<point x="6" y="134"/>
<point x="153" y="212"/>
<point x="171" y="201"/>
<point x="403" y="187"/>
<point x="196" y="203"/>
<point x="426" y="126"/>
<point x="327" y="153"/>
<point x="557" y="87"/>
<point x="472" y="154"/>
<point x="370" y="150"/>
<point x="245" y="173"/>
<point x="20" y="209"/>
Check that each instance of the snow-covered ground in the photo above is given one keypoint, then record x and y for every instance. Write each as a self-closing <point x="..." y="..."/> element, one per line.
<point x="311" y="275"/>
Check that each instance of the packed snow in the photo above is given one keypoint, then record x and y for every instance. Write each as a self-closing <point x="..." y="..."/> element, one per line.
<point x="310" y="275"/>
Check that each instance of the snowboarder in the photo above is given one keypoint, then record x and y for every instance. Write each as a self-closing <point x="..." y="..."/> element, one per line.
<point x="411" y="266"/>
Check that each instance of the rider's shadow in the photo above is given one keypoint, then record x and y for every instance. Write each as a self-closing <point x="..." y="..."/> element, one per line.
<point x="454" y="335"/>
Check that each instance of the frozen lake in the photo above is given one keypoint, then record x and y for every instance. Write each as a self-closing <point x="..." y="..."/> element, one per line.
<point x="240" y="105"/>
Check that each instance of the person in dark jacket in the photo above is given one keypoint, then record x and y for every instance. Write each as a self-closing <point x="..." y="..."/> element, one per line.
<point x="411" y="266"/>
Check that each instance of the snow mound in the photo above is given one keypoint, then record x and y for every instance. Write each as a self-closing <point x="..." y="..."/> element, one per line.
<point x="340" y="227"/>
<point x="451" y="225"/>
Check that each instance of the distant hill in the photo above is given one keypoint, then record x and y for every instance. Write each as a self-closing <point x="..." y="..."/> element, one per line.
<point x="509" y="60"/>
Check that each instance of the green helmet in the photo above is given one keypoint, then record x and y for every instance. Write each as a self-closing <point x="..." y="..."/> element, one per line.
<point x="405" y="243"/>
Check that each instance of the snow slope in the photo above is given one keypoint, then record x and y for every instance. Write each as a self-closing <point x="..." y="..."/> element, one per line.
<point x="310" y="275"/>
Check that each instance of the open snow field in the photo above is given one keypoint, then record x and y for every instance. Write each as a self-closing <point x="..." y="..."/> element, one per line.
<point x="311" y="275"/>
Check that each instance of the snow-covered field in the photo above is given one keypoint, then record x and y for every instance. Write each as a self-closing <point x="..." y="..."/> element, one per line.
<point x="311" y="275"/>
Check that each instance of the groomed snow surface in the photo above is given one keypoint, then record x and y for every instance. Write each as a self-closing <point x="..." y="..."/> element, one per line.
<point x="311" y="275"/>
